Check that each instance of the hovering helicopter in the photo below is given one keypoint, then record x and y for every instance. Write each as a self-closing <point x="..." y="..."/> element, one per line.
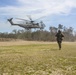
<point x="28" y="24"/>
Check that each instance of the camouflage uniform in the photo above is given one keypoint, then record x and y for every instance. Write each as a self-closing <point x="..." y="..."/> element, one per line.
<point x="59" y="39"/>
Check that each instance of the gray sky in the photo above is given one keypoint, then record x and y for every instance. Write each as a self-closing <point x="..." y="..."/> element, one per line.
<point x="52" y="12"/>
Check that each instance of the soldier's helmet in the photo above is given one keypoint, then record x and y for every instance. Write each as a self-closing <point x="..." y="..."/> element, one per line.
<point x="59" y="31"/>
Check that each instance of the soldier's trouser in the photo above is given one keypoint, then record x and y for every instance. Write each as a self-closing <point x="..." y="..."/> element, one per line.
<point x="59" y="44"/>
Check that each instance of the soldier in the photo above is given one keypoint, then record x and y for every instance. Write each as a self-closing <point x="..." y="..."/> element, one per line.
<point x="59" y="39"/>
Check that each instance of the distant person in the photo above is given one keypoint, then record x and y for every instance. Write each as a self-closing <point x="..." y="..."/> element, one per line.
<point x="59" y="38"/>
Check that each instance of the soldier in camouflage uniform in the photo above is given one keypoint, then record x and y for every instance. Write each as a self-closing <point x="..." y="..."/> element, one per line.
<point x="59" y="39"/>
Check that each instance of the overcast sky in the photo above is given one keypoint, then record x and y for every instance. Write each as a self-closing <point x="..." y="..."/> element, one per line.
<point x="51" y="12"/>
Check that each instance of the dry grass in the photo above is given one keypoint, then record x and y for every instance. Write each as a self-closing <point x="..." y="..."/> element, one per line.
<point x="20" y="42"/>
<point x="37" y="58"/>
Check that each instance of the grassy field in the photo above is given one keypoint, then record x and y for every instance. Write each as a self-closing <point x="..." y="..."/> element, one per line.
<point x="37" y="58"/>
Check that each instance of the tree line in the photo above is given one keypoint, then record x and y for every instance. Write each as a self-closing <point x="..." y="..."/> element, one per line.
<point x="41" y="35"/>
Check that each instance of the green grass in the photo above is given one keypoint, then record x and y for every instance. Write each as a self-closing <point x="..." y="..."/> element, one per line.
<point x="38" y="59"/>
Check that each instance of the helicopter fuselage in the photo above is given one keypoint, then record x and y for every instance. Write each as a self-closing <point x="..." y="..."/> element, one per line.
<point x="27" y="25"/>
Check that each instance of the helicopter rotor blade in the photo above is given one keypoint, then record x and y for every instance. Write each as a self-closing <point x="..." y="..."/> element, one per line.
<point x="42" y="25"/>
<point x="29" y="17"/>
<point x="21" y="19"/>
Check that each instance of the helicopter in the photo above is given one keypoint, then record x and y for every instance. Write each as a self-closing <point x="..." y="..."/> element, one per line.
<point x="28" y="24"/>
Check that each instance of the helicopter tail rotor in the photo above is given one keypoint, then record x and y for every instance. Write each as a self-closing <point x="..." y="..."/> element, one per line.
<point x="10" y="20"/>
